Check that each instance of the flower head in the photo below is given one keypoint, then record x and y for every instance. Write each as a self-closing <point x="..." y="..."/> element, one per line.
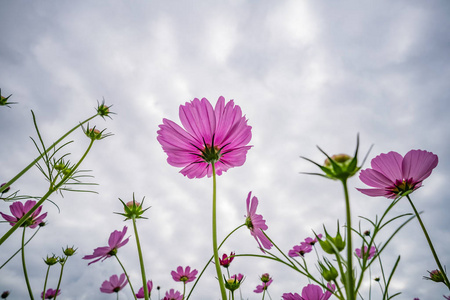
<point x="173" y="295"/>
<point x="140" y="293"/>
<point x="210" y="135"/>
<point x="226" y="260"/>
<point x="69" y="251"/>
<point x="313" y="241"/>
<point x="51" y="260"/>
<point x="133" y="209"/>
<point x="266" y="281"/>
<point x="114" y="284"/>
<point x="18" y="210"/>
<point x="300" y="250"/>
<point x="4" y="100"/>
<point x="4" y="295"/>
<point x="311" y="292"/>
<point x="364" y="252"/>
<point x="184" y="275"/>
<point x="50" y="294"/>
<point x="435" y="276"/>
<point x="234" y="282"/>
<point x="392" y="175"/>
<point x="6" y="189"/>
<point x="103" y="110"/>
<point x="256" y="223"/>
<point x="115" y="242"/>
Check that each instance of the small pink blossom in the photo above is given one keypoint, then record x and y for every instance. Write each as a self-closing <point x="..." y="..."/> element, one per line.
<point x="312" y="241"/>
<point x="360" y="252"/>
<point x="393" y="175"/>
<point x="50" y="294"/>
<point x="18" y="210"/>
<point x="210" y="135"/>
<point x="115" y="242"/>
<point x="300" y="250"/>
<point x="256" y="224"/>
<point x="184" y="275"/>
<point x="141" y="294"/>
<point x="173" y="295"/>
<point x="226" y="260"/>
<point x="262" y="287"/>
<point x="114" y="284"/>
<point x="311" y="292"/>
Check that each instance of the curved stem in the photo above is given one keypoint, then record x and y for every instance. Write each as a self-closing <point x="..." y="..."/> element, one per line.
<point x="24" y="266"/>
<point x="349" y="286"/>
<point x="214" y="236"/>
<point x="436" y="258"/>
<point x="141" y="260"/>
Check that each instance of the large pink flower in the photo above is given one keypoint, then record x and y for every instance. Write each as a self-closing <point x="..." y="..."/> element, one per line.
<point x="256" y="223"/>
<point x="18" y="210"/>
<point x="393" y="175"/>
<point x="184" y="275"/>
<point x="114" y="284"/>
<point x="311" y="292"/>
<point x="115" y="242"/>
<point x="218" y="136"/>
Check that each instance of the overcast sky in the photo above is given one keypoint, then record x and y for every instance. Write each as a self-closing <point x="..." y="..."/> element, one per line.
<point x="305" y="73"/>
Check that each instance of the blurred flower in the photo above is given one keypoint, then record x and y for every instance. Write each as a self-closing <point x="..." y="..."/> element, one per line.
<point x="5" y="295"/>
<point x="262" y="287"/>
<point x="4" y="100"/>
<point x="300" y="250"/>
<point x="435" y="276"/>
<point x="184" y="275"/>
<point x="50" y="294"/>
<point x="218" y="136"/>
<point x="234" y="282"/>
<point x="172" y="295"/>
<point x="311" y="292"/>
<point x="18" y="210"/>
<point x="140" y="293"/>
<point x="6" y="189"/>
<point x="114" y="284"/>
<point x="313" y="241"/>
<point x="393" y="175"/>
<point x="363" y="252"/>
<point x="225" y="261"/>
<point x="447" y="297"/>
<point x="256" y="223"/>
<point x="115" y="242"/>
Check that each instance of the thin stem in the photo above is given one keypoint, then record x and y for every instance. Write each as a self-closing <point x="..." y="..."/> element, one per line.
<point x="214" y="233"/>
<point x="45" y="281"/>
<point x="436" y="258"/>
<point x="24" y="266"/>
<point x="349" y="286"/>
<point x="128" y="278"/>
<point x="60" y="276"/>
<point x="141" y="260"/>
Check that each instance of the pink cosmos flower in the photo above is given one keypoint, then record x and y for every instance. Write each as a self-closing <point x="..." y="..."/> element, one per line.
<point x="184" y="275"/>
<point x="210" y="135"/>
<point x="115" y="242"/>
<point x="225" y="261"/>
<point x="172" y="295"/>
<point x="300" y="250"/>
<point x="311" y="292"/>
<point x="312" y="241"/>
<point x="114" y="284"/>
<point x="256" y="224"/>
<point x="50" y="294"/>
<point x="262" y="287"/>
<point x="141" y="294"/>
<point x="393" y="175"/>
<point x="18" y="210"/>
<point x="369" y="254"/>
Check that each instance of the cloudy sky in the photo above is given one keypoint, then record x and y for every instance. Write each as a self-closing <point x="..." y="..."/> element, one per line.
<point x="305" y="73"/>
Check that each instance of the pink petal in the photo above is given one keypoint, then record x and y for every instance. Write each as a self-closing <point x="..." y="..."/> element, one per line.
<point x="390" y="165"/>
<point x="375" y="178"/>
<point x="377" y="193"/>
<point x="418" y="164"/>
<point x="312" y="292"/>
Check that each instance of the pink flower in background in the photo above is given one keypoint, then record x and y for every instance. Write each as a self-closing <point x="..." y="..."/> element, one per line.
<point x="18" y="210"/>
<point x="115" y="242"/>
<point x="210" y="135"/>
<point x="311" y="292"/>
<point x="226" y="260"/>
<point x="256" y="224"/>
<point x="140" y="294"/>
<point x="312" y="241"/>
<point x="50" y="294"/>
<point x="172" y="295"/>
<point x="300" y="250"/>
<point x="368" y="253"/>
<point x="114" y="284"/>
<point x="262" y="287"/>
<point x="393" y="175"/>
<point x="184" y="275"/>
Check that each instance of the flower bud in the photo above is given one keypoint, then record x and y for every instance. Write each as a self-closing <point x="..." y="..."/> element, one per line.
<point x="265" y="277"/>
<point x="133" y="209"/>
<point x="103" y="110"/>
<point x="6" y="189"/>
<point x="337" y="241"/>
<point x="69" y="251"/>
<point x="234" y="282"/>
<point x="328" y="272"/>
<point x="435" y="276"/>
<point x="50" y="261"/>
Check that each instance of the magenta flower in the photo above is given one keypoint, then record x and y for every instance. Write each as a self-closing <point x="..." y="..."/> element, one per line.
<point x="393" y="175"/>
<point x="218" y="136"/>
<point x="184" y="275"/>
<point x="300" y="250"/>
<point x="115" y="242"/>
<point x="172" y="295"/>
<point x="262" y="287"/>
<point x="256" y="224"/>
<point x="226" y="260"/>
<point x="311" y="292"/>
<point x="364" y="252"/>
<point x="114" y="284"/>
<point x="50" y="294"/>
<point x="312" y="241"/>
<point x="141" y="294"/>
<point x="18" y="210"/>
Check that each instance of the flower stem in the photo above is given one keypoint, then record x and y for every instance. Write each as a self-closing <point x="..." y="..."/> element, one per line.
<point x="141" y="260"/>
<point x="60" y="276"/>
<point x="128" y="278"/>
<point x="436" y="258"/>
<point x="45" y="281"/>
<point x="349" y="280"/>
<point x="214" y="232"/>
<point x="24" y="266"/>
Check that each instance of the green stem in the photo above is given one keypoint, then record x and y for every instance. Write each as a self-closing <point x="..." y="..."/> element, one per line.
<point x="436" y="258"/>
<point x="349" y="286"/>
<point x="184" y="289"/>
<point x="45" y="281"/>
<point x="24" y="266"/>
<point x="20" y="249"/>
<point x="128" y="278"/>
<point x="141" y="260"/>
<point x="60" y="276"/>
<point x="50" y="191"/>
<point x="214" y="232"/>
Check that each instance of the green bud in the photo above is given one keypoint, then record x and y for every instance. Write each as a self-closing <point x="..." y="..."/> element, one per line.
<point x="328" y="272"/>
<point x="435" y="276"/>
<point x="69" y="251"/>
<point x="329" y="241"/>
<point x="50" y="261"/>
